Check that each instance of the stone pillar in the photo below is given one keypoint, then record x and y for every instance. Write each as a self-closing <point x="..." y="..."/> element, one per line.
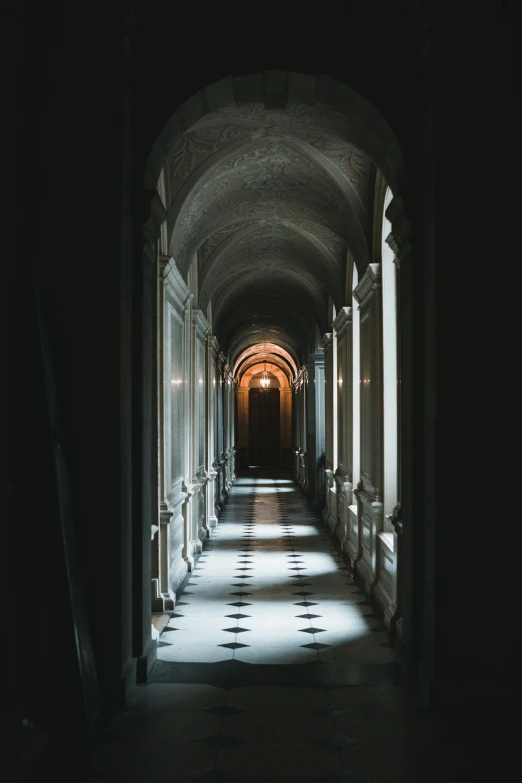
<point x="198" y="430"/>
<point x="174" y="399"/>
<point x="243" y="425"/>
<point x="300" y="398"/>
<point x="233" y="428"/>
<point x="402" y="516"/>
<point x="295" y="429"/>
<point x="222" y="457"/>
<point x="344" y="472"/>
<point x="186" y="437"/>
<point x="228" y="428"/>
<point x="369" y="295"/>
<point x="212" y="350"/>
<point x="285" y="416"/>
<point x="315" y="429"/>
<point x="327" y="343"/>
<point x="164" y="513"/>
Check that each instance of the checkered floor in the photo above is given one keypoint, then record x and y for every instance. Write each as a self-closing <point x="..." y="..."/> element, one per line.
<point x="272" y="668"/>
<point x="270" y="588"/>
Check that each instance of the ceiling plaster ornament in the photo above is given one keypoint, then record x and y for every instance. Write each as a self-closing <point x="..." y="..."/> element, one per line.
<point x="274" y="170"/>
<point x="328" y="238"/>
<point x="322" y="238"/>
<point x="269" y="249"/>
<point x="323" y="129"/>
<point x="269" y="200"/>
<point x="257" y="252"/>
<point x="196" y="145"/>
<point x="215" y="239"/>
<point x="238" y="285"/>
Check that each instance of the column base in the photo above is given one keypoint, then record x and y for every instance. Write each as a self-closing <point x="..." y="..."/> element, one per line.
<point x="390" y="611"/>
<point x="368" y="577"/>
<point x="353" y="553"/>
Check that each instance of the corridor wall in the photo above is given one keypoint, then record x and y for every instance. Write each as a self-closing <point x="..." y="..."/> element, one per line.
<point x="362" y="471"/>
<point x="197" y="435"/>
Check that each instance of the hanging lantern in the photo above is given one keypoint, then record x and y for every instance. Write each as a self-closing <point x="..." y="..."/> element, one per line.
<point x="265" y="380"/>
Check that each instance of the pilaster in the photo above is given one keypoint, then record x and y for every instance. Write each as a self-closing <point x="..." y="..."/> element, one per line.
<point x="369" y="296"/>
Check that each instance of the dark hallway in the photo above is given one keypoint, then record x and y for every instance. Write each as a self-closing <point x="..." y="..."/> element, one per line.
<point x="200" y="194"/>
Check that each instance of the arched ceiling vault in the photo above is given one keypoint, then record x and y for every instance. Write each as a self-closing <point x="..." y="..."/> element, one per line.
<point x="254" y="365"/>
<point x="255" y="369"/>
<point x="264" y="352"/>
<point x="283" y="332"/>
<point x="269" y="203"/>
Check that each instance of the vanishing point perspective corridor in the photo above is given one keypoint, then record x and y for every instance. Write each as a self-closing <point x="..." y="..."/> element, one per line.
<point x="273" y="667"/>
<point x="263" y="251"/>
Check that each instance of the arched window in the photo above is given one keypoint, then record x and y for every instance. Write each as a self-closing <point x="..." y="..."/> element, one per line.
<point x="389" y="305"/>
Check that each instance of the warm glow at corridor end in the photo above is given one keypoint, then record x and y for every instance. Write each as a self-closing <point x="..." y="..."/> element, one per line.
<point x="264" y="352"/>
<point x="265" y="380"/>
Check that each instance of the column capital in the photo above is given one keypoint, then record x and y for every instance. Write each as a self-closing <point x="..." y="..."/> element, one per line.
<point x="173" y="281"/>
<point x="301" y="378"/>
<point x="163" y="262"/>
<point x="199" y="322"/>
<point x="399" y="239"/>
<point x="213" y="344"/>
<point x="369" y="284"/>
<point x="343" y="318"/>
<point x="326" y="341"/>
<point x="317" y="363"/>
<point x="187" y="301"/>
<point x="190" y="488"/>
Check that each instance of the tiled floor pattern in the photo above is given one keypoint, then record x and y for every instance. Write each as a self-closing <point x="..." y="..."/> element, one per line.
<point x="270" y="588"/>
<point x="273" y="668"/>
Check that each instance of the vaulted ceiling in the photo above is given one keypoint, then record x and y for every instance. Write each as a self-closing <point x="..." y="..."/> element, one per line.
<point x="269" y="202"/>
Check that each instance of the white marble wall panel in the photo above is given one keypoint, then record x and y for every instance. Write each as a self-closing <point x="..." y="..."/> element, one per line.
<point x="368" y="294"/>
<point x="175" y="300"/>
<point x="386" y="587"/>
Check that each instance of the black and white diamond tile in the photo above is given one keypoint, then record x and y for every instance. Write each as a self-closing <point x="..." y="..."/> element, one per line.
<point x="257" y="548"/>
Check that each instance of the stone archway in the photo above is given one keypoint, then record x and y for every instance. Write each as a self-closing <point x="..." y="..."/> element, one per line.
<point x="285" y="408"/>
<point x="329" y="141"/>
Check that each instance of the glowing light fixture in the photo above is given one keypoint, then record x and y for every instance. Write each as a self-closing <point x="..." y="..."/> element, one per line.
<point x="265" y="380"/>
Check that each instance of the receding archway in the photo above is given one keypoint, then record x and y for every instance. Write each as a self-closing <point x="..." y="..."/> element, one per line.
<point x="257" y="209"/>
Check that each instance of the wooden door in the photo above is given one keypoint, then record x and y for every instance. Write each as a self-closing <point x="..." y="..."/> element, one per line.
<point x="265" y="446"/>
